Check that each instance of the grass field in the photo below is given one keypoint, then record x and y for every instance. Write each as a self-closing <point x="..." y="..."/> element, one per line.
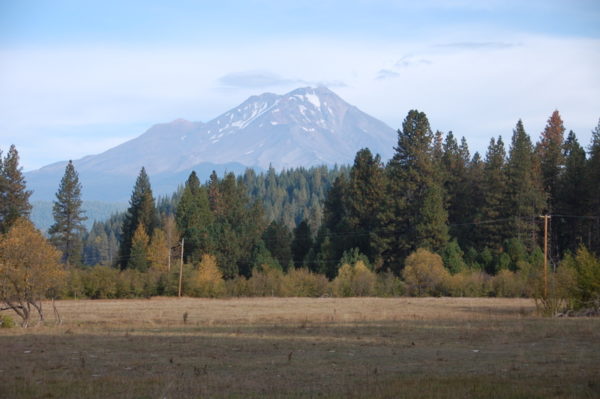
<point x="302" y="348"/>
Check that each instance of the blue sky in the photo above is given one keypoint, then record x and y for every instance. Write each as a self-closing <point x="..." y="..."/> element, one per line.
<point x="79" y="77"/>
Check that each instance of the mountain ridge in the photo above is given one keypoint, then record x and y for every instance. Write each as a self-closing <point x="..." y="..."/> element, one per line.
<point x="305" y="127"/>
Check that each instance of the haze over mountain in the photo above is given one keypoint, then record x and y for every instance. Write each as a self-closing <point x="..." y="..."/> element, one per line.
<point x="306" y="127"/>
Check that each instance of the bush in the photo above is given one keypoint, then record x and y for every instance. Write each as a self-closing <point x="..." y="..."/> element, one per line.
<point x="389" y="285"/>
<point x="363" y="280"/>
<point x="355" y="280"/>
<point x="266" y="281"/>
<point x="237" y="286"/>
<point x="507" y="284"/>
<point x="131" y="283"/>
<point x="469" y="284"/>
<point x="303" y="283"/>
<point x="6" y="322"/>
<point x="100" y="282"/>
<point x="583" y="269"/>
<point x="424" y="274"/>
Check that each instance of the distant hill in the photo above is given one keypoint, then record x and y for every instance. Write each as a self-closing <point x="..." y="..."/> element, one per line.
<point x="41" y="213"/>
<point x="303" y="128"/>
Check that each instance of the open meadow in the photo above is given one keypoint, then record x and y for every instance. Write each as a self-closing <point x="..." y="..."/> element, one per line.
<point x="302" y="348"/>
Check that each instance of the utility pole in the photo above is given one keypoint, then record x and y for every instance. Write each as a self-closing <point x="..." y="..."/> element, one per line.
<point x="181" y="267"/>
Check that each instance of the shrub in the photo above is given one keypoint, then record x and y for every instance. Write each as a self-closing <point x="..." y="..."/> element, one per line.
<point x="469" y="284"/>
<point x="266" y="281"/>
<point x="389" y="285"/>
<point x="585" y="274"/>
<point x="131" y="284"/>
<point x="303" y="283"/>
<point x="355" y="280"/>
<point x="6" y="321"/>
<point x="507" y="284"/>
<point x="363" y="280"/>
<point x="100" y="282"/>
<point x="237" y="286"/>
<point x="424" y="274"/>
<point x="342" y="285"/>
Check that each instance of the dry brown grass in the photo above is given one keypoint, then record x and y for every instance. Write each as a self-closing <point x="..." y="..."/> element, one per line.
<point x="302" y="347"/>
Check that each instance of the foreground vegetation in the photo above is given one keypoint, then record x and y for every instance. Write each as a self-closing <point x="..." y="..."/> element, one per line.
<point x="302" y="347"/>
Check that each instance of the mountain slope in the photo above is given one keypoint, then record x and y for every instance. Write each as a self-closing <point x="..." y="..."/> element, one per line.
<point x="306" y="127"/>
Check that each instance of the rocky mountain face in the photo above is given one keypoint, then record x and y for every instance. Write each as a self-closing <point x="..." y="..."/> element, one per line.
<point x="306" y="127"/>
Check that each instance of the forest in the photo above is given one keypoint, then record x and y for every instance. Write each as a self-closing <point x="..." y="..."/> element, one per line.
<point x="433" y="220"/>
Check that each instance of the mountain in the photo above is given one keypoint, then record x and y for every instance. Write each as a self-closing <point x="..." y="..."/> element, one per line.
<point x="306" y="127"/>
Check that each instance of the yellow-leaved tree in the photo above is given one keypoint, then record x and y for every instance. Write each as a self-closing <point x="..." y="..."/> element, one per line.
<point x="30" y="270"/>
<point x="208" y="279"/>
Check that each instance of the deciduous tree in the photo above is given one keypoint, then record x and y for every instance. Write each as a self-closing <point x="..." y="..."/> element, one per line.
<point x="29" y="269"/>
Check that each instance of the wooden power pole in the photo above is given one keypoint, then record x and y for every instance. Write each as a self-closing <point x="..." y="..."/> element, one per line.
<point x="181" y="267"/>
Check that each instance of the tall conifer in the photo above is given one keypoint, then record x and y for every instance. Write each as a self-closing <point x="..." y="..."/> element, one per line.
<point x="14" y="196"/>
<point x="142" y="210"/>
<point x="67" y="231"/>
<point x="526" y="196"/>
<point x="194" y="218"/>
<point x="550" y="153"/>
<point x="419" y="217"/>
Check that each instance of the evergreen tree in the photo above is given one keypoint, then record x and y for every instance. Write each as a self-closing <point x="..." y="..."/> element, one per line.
<point x="141" y="211"/>
<point x="238" y="227"/>
<point x="194" y="219"/>
<point x="473" y="201"/>
<point x="301" y="243"/>
<point x="14" y="196"/>
<point x="214" y="196"/>
<point x="67" y="231"/>
<point x="571" y="198"/>
<point x="593" y="189"/>
<point x="278" y="240"/>
<point x="550" y="153"/>
<point x="97" y="247"/>
<point x="335" y="219"/>
<point x="365" y="200"/>
<point x="419" y="218"/>
<point x="494" y="211"/>
<point x="455" y="162"/>
<point x="526" y="196"/>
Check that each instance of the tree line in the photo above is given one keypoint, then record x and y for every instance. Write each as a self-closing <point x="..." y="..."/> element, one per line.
<point x="478" y="214"/>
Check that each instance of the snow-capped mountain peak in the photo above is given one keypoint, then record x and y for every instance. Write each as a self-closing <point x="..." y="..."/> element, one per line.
<point x="305" y="127"/>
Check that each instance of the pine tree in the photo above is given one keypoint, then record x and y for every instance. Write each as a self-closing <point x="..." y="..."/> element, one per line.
<point x="526" y="197"/>
<point x="278" y="240"/>
<point x="593" y="188"/>
<point x="455" y="161"/>
<point x="365" y="199"/>
<point x="571" y="198"/>
<point x="301" y="243"/>
<point x="419" y="218"/>
<point x="194" y="219"/>
<point x="550" y="153"/>
<point x="472" y="201"/>
<point x="14" y="196"/>
<point x="141" y="211"/>
<point x="67" y="231"/>
<point x="214" y="197"/>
